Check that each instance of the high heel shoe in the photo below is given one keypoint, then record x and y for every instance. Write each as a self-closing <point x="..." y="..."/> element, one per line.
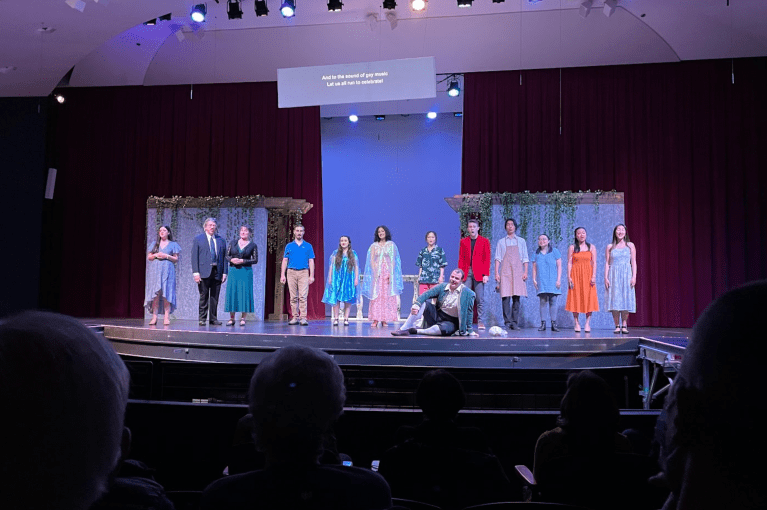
<point x="153" y="321"/>
<point x="166" y="322"/>
<point x="374" y="324"/>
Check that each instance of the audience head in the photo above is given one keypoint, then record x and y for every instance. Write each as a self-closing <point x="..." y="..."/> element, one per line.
<point x="64" y="391"/>
<point x="296" y="395"/>
<point x="588" y="413"/>
<point x="440" y="395"/>
<point x="713" y="456"/>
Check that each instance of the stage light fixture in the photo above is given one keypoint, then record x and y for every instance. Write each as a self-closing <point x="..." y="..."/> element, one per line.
<point x="353" y="118"/>
<point x="609" y="7"/>
<point x="335" y="5"/>
<point x="457" y="114"/>
<point x="288" y="8"/>
<point x="464" y="3"/>
<point x="585" y="8"/>
<point x="380" y="117"/>
<point x="261" y="9"/>
<point x="164" y="17"/>
<point x="234" y="9"/>
<point x="498" y="1"/>
<point x="390" y="4"/>
<point x="432" y="115"/>
<point x="59" y="98"/>
<point x="418" y="5"/>
<point x="454" y="89"/>
<point x="199" y="12"/>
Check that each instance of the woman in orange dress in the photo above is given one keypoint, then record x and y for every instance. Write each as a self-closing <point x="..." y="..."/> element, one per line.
<point x="582" y="276"/>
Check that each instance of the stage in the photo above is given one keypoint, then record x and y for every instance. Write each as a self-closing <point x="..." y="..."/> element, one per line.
<point x="186" y="361"/>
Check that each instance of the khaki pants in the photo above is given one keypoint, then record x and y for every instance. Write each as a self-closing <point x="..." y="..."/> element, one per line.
<point x="298" y="286"/>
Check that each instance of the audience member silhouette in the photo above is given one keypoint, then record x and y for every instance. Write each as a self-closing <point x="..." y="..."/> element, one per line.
<point x="714" y="450"/>
<point x="132" y="486"/>
<point x="441" y="396"/>
<point x="64" y="391"/>
<point x="587" y="423"/>
<point x="439" y="463"/>
<point x="296" y="395"/>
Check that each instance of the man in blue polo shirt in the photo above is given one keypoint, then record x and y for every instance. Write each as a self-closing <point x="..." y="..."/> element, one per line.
<point x="298" y="260"/>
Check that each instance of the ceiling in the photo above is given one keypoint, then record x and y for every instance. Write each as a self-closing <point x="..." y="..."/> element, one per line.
<point x="108" y="44"/>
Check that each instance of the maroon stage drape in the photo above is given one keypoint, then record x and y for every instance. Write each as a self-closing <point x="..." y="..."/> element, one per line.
<point x="114" y="147"/>
<point x="685" y="144"/>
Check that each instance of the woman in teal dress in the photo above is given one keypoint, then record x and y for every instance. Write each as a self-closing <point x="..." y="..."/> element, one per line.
<point x="161" y="275"/>
<point x="547" y="278"/>
<point x="343" y="279"/>
<point x="241" y="255"/>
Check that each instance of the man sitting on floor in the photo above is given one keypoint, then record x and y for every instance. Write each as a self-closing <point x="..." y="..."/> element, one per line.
<point x="453" y="313"/>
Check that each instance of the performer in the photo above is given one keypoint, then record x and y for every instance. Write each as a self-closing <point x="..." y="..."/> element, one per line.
<point x="474" y="261"/>
<point x="298" y="260"/>
<point x="209" y="269"/>
<point x="431" y="264"/>
<point x="453" y="313"/>
<point x="621" y="278"/>
<point x="383" y="277"/>
<point x="161" y="275"/>
<point x="241" y="256"/>
<point x="547" y="277"/>
<point x="511" y="272"/>
<point x="582" y="277"/>
<point x="343" y="278"/>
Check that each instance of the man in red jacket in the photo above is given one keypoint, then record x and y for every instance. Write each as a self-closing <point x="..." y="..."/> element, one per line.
<point x="474" y="260"/>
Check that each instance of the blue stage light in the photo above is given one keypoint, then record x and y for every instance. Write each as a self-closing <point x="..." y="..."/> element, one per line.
<point x="288" y="8"/>
<point x="432" y="115"/>
<point x="199" y="12"/>
<point x="353" y="118"/>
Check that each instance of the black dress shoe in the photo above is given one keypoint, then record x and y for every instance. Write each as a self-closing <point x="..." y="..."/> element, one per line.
<point x="216" y="323"/>
<point x="203" y="323"/>
<point x="515" y="327"/>
<point x="400" y="332"/>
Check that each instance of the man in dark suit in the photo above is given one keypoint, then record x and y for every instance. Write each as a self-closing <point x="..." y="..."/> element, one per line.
<point x="209" y="268"/>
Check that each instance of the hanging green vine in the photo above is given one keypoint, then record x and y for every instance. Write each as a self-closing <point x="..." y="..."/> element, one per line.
<point x="560" y="204"/>
<point x="508" y="200"/>
<point x="528" y="220"/>
<point x="486" y="213"/>
<point x="468" y="210"/>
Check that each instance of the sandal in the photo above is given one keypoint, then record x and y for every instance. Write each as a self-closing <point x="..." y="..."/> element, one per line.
<point x="346" y="322"/>
<point x="383" y="324"/>
<point x="617" y="330"/>
<point x="166" y="322"/>
<point x="577" y="328"/>
<point x="335" y="322"/>
<point x="230" y="322"/>
<point x="153" y="321"/>
<point x="375" y="324"/>
<point x="587" y="330"/>
<point x="242" y="322"/>
<point x="625" y="330"/>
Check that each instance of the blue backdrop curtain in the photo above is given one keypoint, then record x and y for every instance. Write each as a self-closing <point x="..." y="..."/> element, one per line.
<point x="685" y="143"/>
<point x="114" y="147"/>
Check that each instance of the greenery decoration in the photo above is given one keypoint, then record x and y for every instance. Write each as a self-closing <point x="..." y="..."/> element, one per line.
<point x="560" y="204"/>
<point x="486" y="213"/>
<point x="528" y="220"/>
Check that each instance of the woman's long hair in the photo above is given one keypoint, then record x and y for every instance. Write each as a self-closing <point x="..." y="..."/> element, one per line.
<point x="588" y="414"/>
<point x="576" y="243"/>
<point x="615" y="237"/>
<point x="340" y="255"/>
<point x="156" y="246"/>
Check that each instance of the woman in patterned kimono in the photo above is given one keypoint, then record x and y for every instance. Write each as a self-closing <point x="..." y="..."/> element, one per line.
<point x="383" y="278"/>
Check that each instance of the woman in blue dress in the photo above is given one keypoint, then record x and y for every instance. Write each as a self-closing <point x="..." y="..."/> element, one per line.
<point x="621" y="278"/>
<point x="547" y="278"/>
<point x="343" y="279"/>
<point x="241" y="255"/>
<point x="161" y="275"/>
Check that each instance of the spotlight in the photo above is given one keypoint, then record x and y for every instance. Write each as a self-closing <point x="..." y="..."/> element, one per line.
<point x="585" y="8"/>
<point x="335" y="5"/>
<point x="234" y="9"/>
<point x="464" y="3"/>
<point x="59" y="98"/>
<point x="457" y="114"/>
<point x="261" y="9"/>
<point x="353" y="118"/>
<point x="432" y="115"/>
<point x="454" y="89"/>
<point x="390" y="4"/>
<point x="380" y="117"/>
<point x="418" y="5"/>
<point x="288" y="8"/>
<point x="609" y="7"/>
<point x="199" y="12"/>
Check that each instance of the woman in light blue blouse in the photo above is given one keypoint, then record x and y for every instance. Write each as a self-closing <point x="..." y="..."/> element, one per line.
<point x="547" y="278"/>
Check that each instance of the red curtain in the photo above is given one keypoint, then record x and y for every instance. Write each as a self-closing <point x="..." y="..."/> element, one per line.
<point x="685" y="144"/>
<point x="114" y="147"/>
